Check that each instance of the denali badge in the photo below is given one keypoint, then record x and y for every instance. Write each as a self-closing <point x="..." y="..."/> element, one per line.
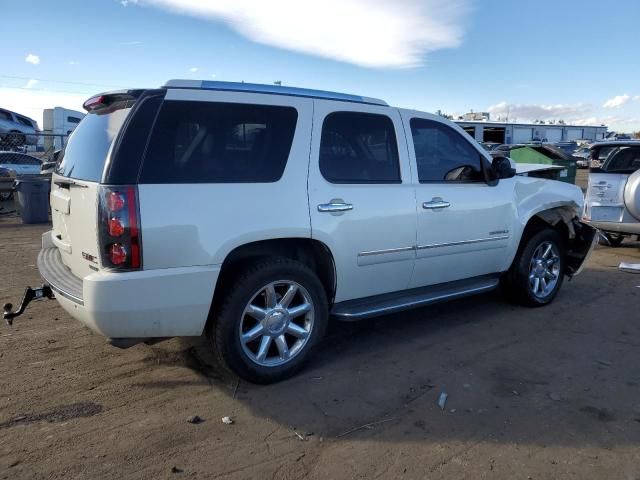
<point x="89" y="257"/>
<point x="499" y="232"/>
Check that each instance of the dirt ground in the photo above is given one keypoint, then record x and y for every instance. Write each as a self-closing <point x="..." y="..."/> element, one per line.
<point x="532" y="393"/>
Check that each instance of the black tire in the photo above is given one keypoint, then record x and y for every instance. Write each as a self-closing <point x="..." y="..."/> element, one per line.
<point x="5" y="196"/>
<point x="225" y="326"/>
<point x="611" y="240"/>
<point x="516" y="282"/>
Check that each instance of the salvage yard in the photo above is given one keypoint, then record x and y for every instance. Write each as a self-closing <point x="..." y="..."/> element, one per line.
<point x="532" y="393"/>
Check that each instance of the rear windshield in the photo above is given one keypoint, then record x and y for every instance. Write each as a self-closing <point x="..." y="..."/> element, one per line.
<point x="86" y="152"/>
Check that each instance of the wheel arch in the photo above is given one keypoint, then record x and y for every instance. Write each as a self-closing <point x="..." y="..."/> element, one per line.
<point x="564" y="219"/>
<point x="314" y="254"/>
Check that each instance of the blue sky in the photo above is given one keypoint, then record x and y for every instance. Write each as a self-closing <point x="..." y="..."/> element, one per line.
<point x="572" y="59"/>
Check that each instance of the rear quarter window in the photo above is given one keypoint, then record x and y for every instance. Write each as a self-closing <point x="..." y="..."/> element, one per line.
<point x="207" y="142"/>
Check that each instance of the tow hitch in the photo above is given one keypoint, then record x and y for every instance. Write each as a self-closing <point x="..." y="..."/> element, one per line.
<point x="29" y="295"/>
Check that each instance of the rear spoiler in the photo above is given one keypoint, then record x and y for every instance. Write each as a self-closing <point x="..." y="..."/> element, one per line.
<point x="110" y="101"/>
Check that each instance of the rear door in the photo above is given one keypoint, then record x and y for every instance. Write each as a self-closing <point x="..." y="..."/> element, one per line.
<point x="361" y="201"/>
<point x="75" y="183"/>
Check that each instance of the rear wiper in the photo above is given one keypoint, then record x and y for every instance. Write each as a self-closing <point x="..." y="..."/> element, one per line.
<point x="68" y="182"/>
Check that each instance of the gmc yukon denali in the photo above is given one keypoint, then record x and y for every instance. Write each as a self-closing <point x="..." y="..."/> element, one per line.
<point x="252" y="214"/>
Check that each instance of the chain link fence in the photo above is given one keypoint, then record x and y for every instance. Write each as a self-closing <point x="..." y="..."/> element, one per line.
<point x="40" y="144"/>
<point x="26" y="155"/>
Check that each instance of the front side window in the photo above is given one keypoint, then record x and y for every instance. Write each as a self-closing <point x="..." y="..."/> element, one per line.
<point x="359" y="148"/>
<point x="443" y="155"/>
<point x="5" y="116"/>
<point x="206" y="142"/>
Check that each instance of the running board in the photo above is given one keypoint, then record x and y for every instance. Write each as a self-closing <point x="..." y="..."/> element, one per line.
<point x="388" y="303"/>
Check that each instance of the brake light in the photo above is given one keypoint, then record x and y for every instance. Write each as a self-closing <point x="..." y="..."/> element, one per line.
<point x="119" y="228"/>
<point x="93" y="103"/>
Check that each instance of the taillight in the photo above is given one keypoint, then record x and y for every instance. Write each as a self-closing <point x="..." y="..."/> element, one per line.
<point x="119" y="228"/>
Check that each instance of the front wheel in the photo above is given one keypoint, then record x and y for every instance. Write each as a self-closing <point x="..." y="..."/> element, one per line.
<point x="536" y="275"/>
<point x="270" y="319"/>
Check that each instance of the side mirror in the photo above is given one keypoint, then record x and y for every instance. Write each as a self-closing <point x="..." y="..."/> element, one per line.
<point x="502" y="167"/>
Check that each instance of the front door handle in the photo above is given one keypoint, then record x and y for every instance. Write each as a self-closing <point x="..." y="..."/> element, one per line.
<point x="435" y="204"/>
<point x="335" y="207"/>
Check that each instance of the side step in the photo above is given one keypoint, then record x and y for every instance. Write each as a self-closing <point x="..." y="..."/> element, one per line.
<point x="388" y="303"/>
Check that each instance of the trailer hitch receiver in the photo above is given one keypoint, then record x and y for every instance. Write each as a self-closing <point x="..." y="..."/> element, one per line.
<point x="29" y="295"/>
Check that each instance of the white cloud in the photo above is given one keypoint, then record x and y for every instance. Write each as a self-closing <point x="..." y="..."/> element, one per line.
<point x="125" y="3"/>
<point x="370" y="33"/>
<point x="617" y="101"/>
<point x="33" y="59"/>
<point x="194" y="69"/>
<point x="72" y="62"/>
<point x="32" y="102"/>
<point x="31" y="83"/>
<point x="135" y="43"/>
<point x="636" y="98"/>
<point x="531" y="112"/>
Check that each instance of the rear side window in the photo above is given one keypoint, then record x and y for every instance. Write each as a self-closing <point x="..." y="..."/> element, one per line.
<point x="5" y="116"/>
<point x="24" y="121"/>
<point x="204" y="142"/>
<point x="626" y="160"/>
<point x="86" y="152"/>
<point x="359" y="148"/>
<point x="443" y="155"/>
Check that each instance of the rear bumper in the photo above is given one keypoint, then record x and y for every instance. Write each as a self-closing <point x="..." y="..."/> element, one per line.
<point x="615" y="227"/>
<point x="145" y="304"/>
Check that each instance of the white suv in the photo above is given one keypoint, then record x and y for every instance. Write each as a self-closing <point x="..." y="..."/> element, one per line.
<point x="251" y="213"/>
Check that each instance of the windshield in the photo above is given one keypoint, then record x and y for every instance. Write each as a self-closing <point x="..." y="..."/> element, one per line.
<point x="86" y="153"/>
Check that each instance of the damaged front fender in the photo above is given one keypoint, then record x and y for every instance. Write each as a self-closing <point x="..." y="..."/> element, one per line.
<point x="580" y="246"/>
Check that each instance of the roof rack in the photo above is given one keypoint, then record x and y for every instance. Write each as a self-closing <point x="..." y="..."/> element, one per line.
<point x="271" y="89"/>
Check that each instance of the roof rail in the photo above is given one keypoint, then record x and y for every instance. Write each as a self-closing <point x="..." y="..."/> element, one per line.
<point x="271" y="89"/>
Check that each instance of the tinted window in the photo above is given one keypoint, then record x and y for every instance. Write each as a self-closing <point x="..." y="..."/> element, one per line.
<point x="202" y="142"/>
<point x="5" y="115"/>
<point x="73" y="119"/>
<point x="86" y="152"/>
<point x="626" y="160"/>
<point x="359" y="148"/>
<point x="443" y="155"/>
<point x="24" y="121"/>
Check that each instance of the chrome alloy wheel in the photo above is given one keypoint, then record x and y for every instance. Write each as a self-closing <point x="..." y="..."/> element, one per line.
<point x="544" y="269"/>
<point x="276" y="323"/>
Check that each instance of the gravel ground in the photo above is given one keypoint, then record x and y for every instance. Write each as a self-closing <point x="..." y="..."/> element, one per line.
<point x="532" y="393"/>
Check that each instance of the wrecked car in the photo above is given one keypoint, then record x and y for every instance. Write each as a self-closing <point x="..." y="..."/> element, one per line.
<point x="612" y="202"/>
<point x="252" y="213"/>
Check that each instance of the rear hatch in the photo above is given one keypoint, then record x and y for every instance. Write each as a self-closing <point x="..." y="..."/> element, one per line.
<point x="605" y="198"/>
<point x="76" y="182"/>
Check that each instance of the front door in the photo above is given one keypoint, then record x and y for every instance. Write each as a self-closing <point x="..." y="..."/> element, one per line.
<point x="361" y="199"/>
<point x="464" y="224"/>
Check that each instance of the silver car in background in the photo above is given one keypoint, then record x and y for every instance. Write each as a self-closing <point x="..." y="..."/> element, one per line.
<point x="17" y="130"/>
<point x="612" y="201"/>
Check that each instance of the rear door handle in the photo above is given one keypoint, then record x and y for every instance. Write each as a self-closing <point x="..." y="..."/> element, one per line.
<point x="335" y="207"/>
<point x="435" y="204"/>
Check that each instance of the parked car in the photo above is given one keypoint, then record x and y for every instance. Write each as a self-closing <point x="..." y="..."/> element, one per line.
<point x="20" y="164"/>
<point x="48" y="167"/>
<point x="612" y="201"/>
<point x="250" y="213"/>
<point x="488" y="146"/>
<point x="567" y="147"/>
<point x="582" y="156"/>
<point x="7" y="179"/>
<point x="17" y="130"/>
<point x="600" y="151"/>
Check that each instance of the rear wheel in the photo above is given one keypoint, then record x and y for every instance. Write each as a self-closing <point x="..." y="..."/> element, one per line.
<point x="536" y="275"/>
<point x="270" y="319"/>
<point x="611" y="239"/>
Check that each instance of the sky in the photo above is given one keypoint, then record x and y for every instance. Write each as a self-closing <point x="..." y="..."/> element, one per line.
<point x="575" y="60"/>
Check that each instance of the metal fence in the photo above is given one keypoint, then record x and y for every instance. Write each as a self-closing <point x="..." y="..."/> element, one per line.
<point x="39" y="144"/>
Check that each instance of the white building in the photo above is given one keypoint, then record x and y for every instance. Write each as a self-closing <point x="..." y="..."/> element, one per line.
<point x="57" y="124"/>
<point x="502" y="132"/>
